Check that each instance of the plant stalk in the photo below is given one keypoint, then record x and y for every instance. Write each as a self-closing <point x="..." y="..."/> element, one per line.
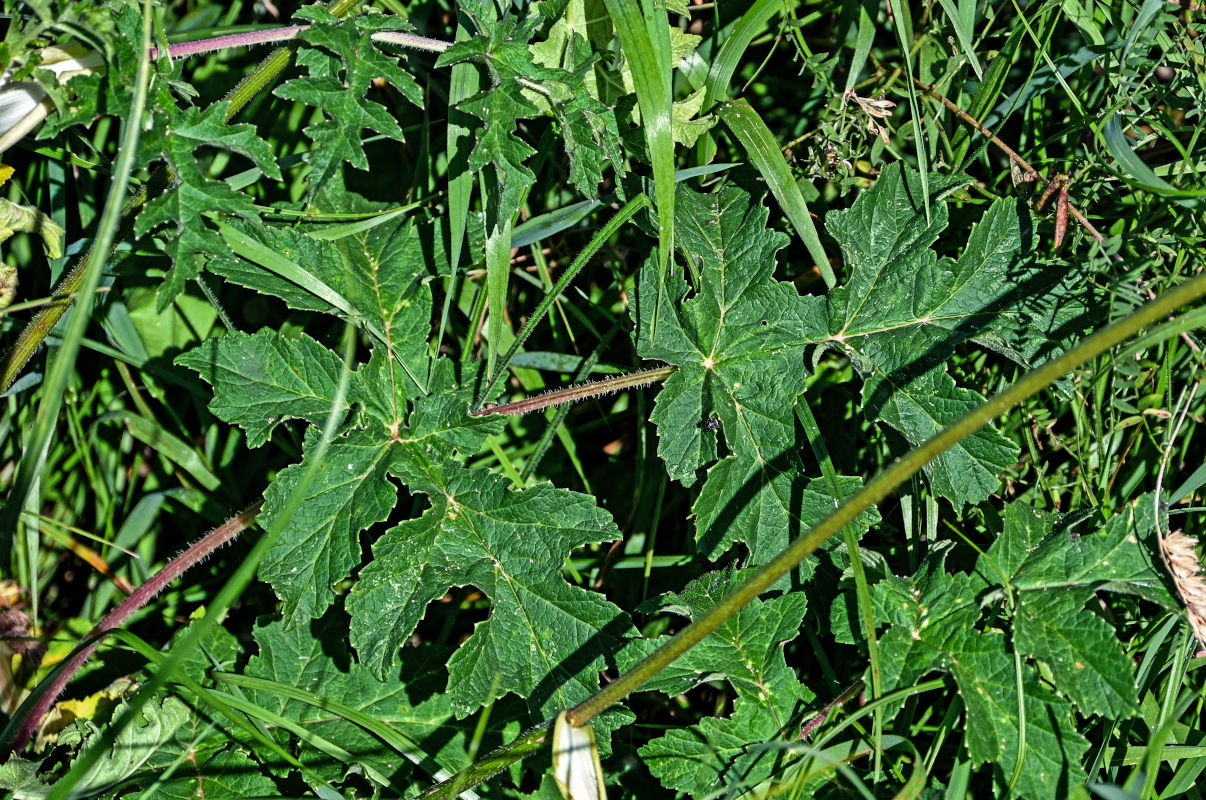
<point x="195" y="554"/>
<point x="287" y="33"/>
<point x="573" y="394"/>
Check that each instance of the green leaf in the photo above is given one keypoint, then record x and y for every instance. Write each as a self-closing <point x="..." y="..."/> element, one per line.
<point x="321" y="544"/>
<point x="263" y="379"/>
<point x="343" y="62"/>
<point x="378" y="276"/>
<point x="765" y="154"/>
<point x="134" y="748"/>
<point x="591" y="129"/>
<point x="195" y="196"/>
<point x="501" y="45"/>
<point x="410" y="701"/>
<point x="544" y="640"/>
<point x="719" y="756"/>
<point x="187" y="320"/>
<point x="747" y="651"/>
<point x="738" y="341"/>
<point x="1139" y="173"/>
<point x="934" y="626"/>
<point x="651" y="59"/>
<point x="764" y="505"/>
<point x="903" y="311"/>
<point x="1054" y="573"/>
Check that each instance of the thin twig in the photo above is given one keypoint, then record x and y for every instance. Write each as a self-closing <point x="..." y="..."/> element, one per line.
<point x="1009" y="151"/>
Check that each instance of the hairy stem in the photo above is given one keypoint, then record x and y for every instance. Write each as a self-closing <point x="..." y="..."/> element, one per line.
<point x="592" y="247"/>
<point x="286" y="34"/>
<point x="195" y="554"/>
<point x="573" y="394"/>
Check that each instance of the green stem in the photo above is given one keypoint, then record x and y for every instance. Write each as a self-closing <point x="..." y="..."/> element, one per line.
<point x="65" y="293"/>
<point x="862" y="590"/>
<point x="876" y="490"/>
<point x="623" y="215"/>
<point x="573" y="394"/>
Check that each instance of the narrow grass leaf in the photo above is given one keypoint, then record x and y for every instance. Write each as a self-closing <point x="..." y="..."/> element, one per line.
<point x="1139" y="173"/>
<point x="170" y="447"/>
<point x="764" y="153"/>
<point x="552" y="223"/>
<point x="498" y="273"/>
<point x="967" y="43"/>
<point x="651" y="76"/>
<point x="716" y="87"/>
<point x="904" y="36"/>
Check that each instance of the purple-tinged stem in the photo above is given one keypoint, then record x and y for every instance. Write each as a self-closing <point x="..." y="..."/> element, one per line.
<point x="285" y="34"/>
<point x="195" y="554"/>
<point x="583" y="391"/>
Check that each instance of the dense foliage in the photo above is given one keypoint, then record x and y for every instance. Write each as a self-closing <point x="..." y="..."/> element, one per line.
<point x="340" y="264"/>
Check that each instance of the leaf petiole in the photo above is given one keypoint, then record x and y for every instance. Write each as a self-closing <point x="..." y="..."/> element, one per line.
<point x="573" y="394"/>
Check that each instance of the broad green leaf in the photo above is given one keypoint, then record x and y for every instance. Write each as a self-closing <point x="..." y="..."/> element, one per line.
<point x="410" y="700"/>
<point x="342" y="63"/>
<point x="501" y="46"/>
<point x="210" y="769"/>
<point x="544" y="640"/>
<point x="378" y="276"/>
<point x="738" y="340"/>
<point x="720" y="757"/>
<point x="321" y="544"/>
<point x="746" y="651"/>
<point x="188" y="319"/>
<point x="987" y="682"/>
<point x="764" y="505"/>
<point x="590" y="128"/>
<point x="130" y="754"/>
<point x="903" y="311"/>
<point x="1054" y="573"/>
<point x="263" y="378"/>
<point x="195" y="195"/>
<point x="935" y="625"/>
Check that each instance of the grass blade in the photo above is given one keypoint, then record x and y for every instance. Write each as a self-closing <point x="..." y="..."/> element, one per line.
<point x="765" y="154"/>
<point x="650" y="64"/>
<point x="721" y="72"/>
<point x="62" y="365"/>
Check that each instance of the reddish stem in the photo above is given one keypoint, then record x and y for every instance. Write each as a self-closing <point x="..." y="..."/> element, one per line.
<point x="196" y="553"/>
<point x="582" y="391"/>
<point x="285" y="34"/>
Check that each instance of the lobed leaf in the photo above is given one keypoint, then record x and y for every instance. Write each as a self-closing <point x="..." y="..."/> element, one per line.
<point x="903" y="311"/>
